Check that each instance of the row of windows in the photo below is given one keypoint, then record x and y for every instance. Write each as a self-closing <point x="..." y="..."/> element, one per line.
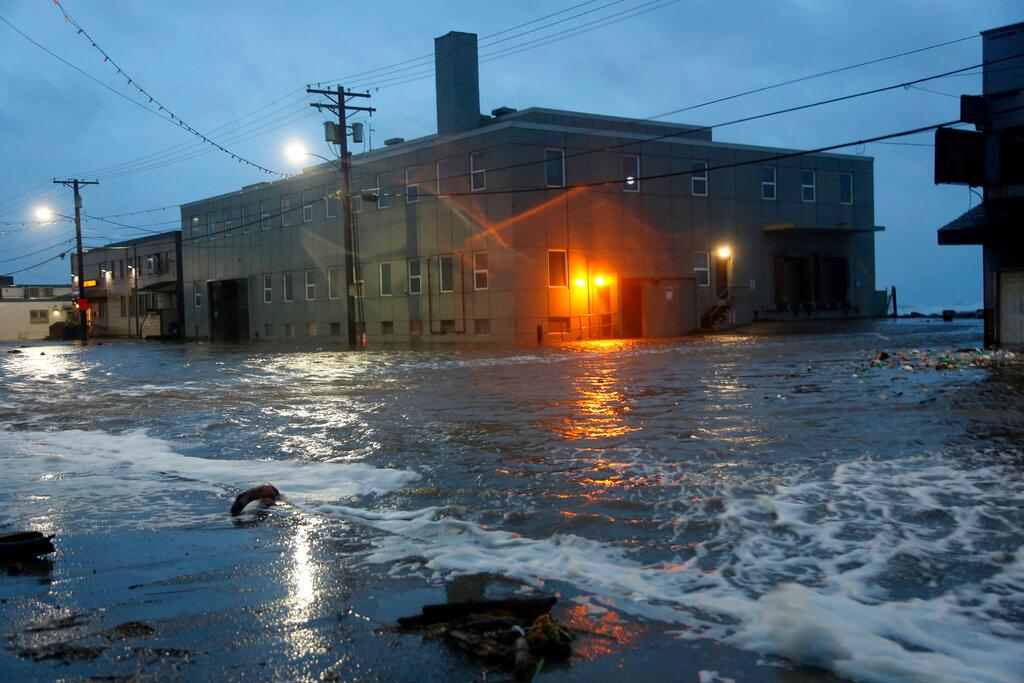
<point x="808" y="186"/>
<point x="154" y="264"/>
<point x="222" y="223"/>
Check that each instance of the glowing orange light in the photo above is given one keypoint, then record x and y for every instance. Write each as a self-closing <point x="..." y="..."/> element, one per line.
<point x="724" y="252"/>
<point x="580" y="282"/>
<point x="599" y="281"/>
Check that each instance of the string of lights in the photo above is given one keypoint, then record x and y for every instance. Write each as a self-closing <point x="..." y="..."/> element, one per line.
<point x="152" y="100"/>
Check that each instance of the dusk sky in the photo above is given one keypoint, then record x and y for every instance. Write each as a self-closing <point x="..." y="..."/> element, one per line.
<point x="218" y="66"/>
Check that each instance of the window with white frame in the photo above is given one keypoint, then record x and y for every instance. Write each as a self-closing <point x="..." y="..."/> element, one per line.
<point x="480" y="272"/>
<point x="264" y="214"/>
<point x="383" y="200"/>
<point x="412" y="190"/>
<point x="699" y="179"/>
<point x="38" y="317"/>
<point x="246" y="218"/>
<point x="558" y="269"/>
<point x="447" y="268"/>
<point x="768" y="183"/>
<point x="701" y="268"/>
<point x="153" y="264"/>
<point x="268" y="289"/>
<point x="197" y="294"/>
<point x="385" y="278"/>
<point x="211" y="224"/>
<point x="846" y="188"/>
<point x="477" y="172"/>
<point x="310" y="285"/>
<point x="286" y="210"/>
<point x="415" y="277"/>
<point x="308" y="197"/>
<point x="229" y="221"/>
<point x="196" y="228"/>
<point x="630" y="172"/>
<point x="808" y="188"/>
<point x="554" y="167"/>
<point x="331" y="201"/>
<point x="333" y="283"/>
<point x="289" y="287"/>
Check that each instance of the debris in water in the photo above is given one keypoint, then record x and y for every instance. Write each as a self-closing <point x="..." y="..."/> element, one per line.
<point x="24" y="545"/>
<point x="265" y="494"/>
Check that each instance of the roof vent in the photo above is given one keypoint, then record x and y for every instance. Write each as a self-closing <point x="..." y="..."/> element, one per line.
<point x="502" y="111"/>
<point x="393" y="141"/>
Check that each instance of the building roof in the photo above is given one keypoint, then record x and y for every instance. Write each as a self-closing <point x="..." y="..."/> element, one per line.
<point x="156" y="237"/>
<point x="988" y="222"/>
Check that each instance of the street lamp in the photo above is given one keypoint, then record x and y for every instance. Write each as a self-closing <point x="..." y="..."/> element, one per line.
<point x="44" y="214"/>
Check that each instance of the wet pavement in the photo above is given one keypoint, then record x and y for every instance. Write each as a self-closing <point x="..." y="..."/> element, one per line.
<point x="762" y="505"/>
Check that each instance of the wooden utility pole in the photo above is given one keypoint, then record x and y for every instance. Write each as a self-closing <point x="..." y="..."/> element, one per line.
<point x="353" y="276"/>
<point x="83" y="315"/>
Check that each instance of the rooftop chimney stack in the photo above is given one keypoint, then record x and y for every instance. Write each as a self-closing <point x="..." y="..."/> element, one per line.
<point x="457" y="82"/>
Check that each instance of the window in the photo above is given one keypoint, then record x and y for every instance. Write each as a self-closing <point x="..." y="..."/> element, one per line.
<point x="447" y="264"/>
<point x="211" y="224"/>
<point x="264" y="214"/>
<point x="268" y="329"/>
<point x="480" y="270"/>
<point x="477" y="174"/>
<point x="312" y="329"/>
<point x="558" y="272"/>
<point x="699" y="179"/>
<point x="310" y="285"/>
<point x="807" y="186"/>
<point x="846" y="188"/>
<point x="387" y="327"/>
<point x="196" y="229"/>
<point x="385" y="278"/>
<point x="289" y="287"/>
<point x="228" y="221"/>
<point x="124" y="306"/>
<point x="246" y="219"/>
<point x="153" y="264"/>
<point x="412" y="190"/>
<point x="38" y="317"/>
<point x="768" y="183"/>
<point x="307" y="205"/>
<point x="332" y="283"/>
<point x="415" y="279"/>
<point x="383" y="201"/>
<point x="286" y="211"/>
<point x="554" y="168"/>
<point x="268" y="289"/>
<point x="335" y="329"/>
<point x="701" y="268"/>
<point x="289" y="330"/>
<point x="630" y="173"/>
<point x="197" y="294"/>
<point x="331" y="201"/>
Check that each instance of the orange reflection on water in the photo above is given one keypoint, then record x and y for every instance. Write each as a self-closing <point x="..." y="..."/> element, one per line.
<point x="599" y="634"/>
<point x="599" y="407"/>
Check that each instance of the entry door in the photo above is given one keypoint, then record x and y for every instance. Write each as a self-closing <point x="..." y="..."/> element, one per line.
<point x="1011" y="308"/>
<point x="632" y="308"/>
<point x="722" y="277"/>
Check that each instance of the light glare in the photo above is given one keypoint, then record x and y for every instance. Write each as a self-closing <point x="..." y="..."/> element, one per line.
<point x="44" y="213"/>
<point x="724" y="252"/>
<point x="296" y="152"/>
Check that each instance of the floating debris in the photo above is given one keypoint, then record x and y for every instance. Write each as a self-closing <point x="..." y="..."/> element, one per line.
<point x="265" y="494"/>
<point x="914" y="359"/>
<point x="24" y="545"/>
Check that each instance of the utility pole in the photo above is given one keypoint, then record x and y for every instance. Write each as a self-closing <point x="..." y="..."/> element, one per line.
<point x="338" y="103"/>
<point x="83" y="316"/>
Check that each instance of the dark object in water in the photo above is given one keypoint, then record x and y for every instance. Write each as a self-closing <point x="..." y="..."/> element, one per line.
<point x="24" y="545"/>
<point x="948" y="315"/>
<point x="265" y="493"/>
<point x="14" y="351"/>
<point x="525" y="608"/>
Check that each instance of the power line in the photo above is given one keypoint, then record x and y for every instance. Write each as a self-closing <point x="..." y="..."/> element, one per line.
<point x="153" y="100"/>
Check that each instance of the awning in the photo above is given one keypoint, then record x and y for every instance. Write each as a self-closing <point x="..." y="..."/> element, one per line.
<point x="790" y="227"/>
<point x="168" y="286"/>
<point x="990" y="221"/>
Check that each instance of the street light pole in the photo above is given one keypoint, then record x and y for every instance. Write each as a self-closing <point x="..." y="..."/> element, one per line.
<point x="83" y="316"/>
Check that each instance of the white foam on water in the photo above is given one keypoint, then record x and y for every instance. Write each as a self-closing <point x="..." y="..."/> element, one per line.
<point x="133" y="470"/>
<point x="859" y="569"/>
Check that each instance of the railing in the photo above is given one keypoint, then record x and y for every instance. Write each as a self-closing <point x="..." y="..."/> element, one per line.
<point x="732" y="293"/>
<point x="585" y="326"/>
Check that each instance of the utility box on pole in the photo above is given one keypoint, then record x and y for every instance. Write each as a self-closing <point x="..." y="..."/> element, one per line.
<point x="357" y="133"/>
<point x="331" y="132"/>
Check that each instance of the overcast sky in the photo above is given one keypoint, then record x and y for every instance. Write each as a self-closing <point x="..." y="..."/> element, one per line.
<point x="212" y="63"/>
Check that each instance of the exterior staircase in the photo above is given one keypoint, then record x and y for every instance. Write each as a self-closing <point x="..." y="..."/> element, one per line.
<point x="720" y="310"/>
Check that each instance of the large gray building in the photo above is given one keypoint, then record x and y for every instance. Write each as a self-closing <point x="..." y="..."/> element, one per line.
<point x="536" y="223"/>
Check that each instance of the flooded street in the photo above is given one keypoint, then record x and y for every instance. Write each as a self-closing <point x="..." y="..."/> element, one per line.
<point x="764" y="506"/>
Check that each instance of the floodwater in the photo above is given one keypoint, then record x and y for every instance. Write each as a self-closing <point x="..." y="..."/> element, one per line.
<point x="757" y="507"/>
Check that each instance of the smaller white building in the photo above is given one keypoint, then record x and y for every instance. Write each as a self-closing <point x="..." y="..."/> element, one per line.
<point x="27" y="311"/>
